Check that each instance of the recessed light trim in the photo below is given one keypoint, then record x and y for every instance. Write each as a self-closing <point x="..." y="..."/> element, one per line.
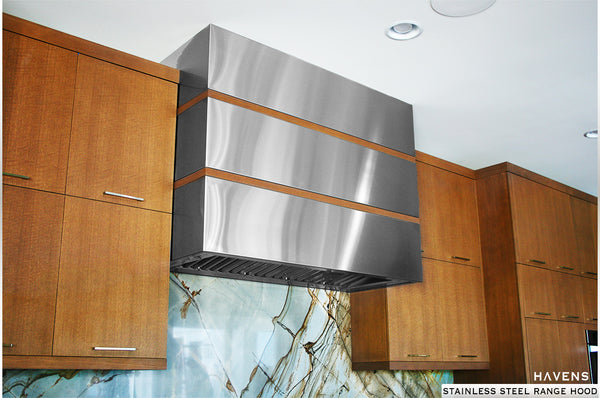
<point x="591" y="134"/>
<point x="460" y="8"/>
<point x="404" y="30"/>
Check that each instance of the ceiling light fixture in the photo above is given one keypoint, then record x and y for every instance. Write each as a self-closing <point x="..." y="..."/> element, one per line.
<point x="404" y="30"/>
<point x="460" y="8"/>
<point x="591" y="134"/>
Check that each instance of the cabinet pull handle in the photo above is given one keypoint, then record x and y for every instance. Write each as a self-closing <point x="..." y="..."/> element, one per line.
<point x="120" y="195"/>
<point x="466" y="356"/>
<point x="537" y="261"/>
<point x="418" y="355"/>
<point x="592" y="319"/>
<point x="9" y="345"/>
<point x="16" y="175"/>
<point x="590" y="273"/>
<point x="563" y="267"/>
<point x="569" y="317"/>
<point x="114" y="348"/>
<point x="542" y="313"/>
<point x="461" y="258"/>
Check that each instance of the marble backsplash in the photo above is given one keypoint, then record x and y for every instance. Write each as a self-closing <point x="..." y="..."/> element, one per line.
<point x="230" y="338"/>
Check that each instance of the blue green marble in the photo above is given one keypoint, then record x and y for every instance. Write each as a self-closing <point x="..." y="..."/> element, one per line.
<point x="230" y="338"/>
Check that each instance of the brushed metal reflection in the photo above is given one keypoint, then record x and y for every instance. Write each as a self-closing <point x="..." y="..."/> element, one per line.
<point x="249" y="143"/>
<point x="252" y="71"/>
<point x="249" y="222"/>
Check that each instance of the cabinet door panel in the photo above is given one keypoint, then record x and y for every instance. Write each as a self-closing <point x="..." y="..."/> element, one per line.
<point x="543" y="346"/>
<point x="585" y="219"/>
<point x="589" y="291"/>
<point x="463" y="310"/>
<point x="573" y="348"/>
<point x="37" y="86"/>
<point x="448" y="215"/>
<point x="536" y="292"/>
<point x="31" y="233"/>
<point x="543" y="225"/>
<point x="113" y="286"/>
<point x="567" y="296"/>
<point x="123" y="136"/>
<point x="414" y="332"/>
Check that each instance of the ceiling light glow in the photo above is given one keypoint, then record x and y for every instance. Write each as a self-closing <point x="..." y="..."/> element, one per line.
<point x="404" y="30"/>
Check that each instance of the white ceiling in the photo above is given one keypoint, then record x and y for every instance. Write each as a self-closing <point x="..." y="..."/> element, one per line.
<point x="515" y="83"/>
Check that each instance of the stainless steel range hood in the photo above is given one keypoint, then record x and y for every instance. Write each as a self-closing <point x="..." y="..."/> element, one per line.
<point x="287" y="173"/>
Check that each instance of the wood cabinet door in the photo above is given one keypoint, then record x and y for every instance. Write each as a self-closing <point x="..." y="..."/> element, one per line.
<point x="585" y="220"/>
<point x="543" y="225"/>
<point x="413" y="318"/>
<point x="114" y="281"/>
<point x="448" y="215"/>
<point x="543" y="348"/>
<point x="38" y="83"/>
<point x="31" y="234"/>
<point x="589" y="292"/>
<point x="536" y="292"/>
<point x="461" y="301"/>
<point x="567" y="297"/>
<point x="122" y="141"/>
<point x="573" y="349"/>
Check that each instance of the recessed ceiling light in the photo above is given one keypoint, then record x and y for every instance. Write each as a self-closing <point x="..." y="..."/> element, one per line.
<point x="591" y="134"/>
<point x="404" y="30"/>
<point x="460" y="8"/>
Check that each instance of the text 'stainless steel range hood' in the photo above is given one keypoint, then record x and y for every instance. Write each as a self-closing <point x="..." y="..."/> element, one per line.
<point x="287" y="173"/>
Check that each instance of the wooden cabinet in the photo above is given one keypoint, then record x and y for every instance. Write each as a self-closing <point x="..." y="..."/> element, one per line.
<point x="553" y="348"/>
<point x="437" y="324"/>
<point x="538" y="302"/>
<point x="462" y="309"/>
<point x="589" y="293"/>
<point x="83" y="268"/>
<point x="543" y="225"/>
<point x="31" y="235"/>
<point x="114" y="260"/>
<point x="37" y="88"/>
<point x="548" y="294"/>
<point x="448" y="214"/>
<point x="585" y="220"/>
<point x="121" y="137"/>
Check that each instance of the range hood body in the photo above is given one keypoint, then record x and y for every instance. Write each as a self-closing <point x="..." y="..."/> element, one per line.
<point x="231" y="228"/>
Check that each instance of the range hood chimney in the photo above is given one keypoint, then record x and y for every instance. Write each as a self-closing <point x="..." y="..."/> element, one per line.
<point x="287" y="173"/>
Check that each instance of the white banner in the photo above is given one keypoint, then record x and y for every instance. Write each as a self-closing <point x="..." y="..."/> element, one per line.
<point x="519" y="390"/>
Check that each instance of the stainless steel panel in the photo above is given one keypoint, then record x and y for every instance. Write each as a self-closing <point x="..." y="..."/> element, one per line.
<point x="251" y="222"/>
<point x="190" y="145"/>
<point x="188" y="220"/>
<point x="246" y="69"/>
<point x="245" y="142"/>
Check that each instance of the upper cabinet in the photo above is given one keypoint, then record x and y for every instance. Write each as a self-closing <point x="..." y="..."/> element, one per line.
<point x="88" y="147"/>
<point x="448" y="214"/>
<point x="543" y="225"/>
<point x="121" y="136"/>
<point x="38" y="88"/>
<point x="585" y="220"/>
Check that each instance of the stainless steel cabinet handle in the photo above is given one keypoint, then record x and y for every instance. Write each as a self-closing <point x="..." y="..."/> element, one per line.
<point x="590" y="273"/>
<point x="466" y="356"/>
<point x="569" y="317"/>
<point x="461" y="258"/>
<point x="114" y="348"/>
<point x="5" y="345"/>
<point x="418" y="355"/>
<point x="537" y="261"/>
<point x="16" y="175"/>
<point x="592" y="319"/>
<point x="563" y="267"/>
<point x="120" y="195"/>
<point x="542" y="313"/>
